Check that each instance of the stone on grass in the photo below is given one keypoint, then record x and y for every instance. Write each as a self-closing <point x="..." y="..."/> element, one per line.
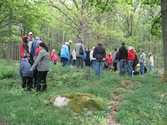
<point x="61" y="101"/>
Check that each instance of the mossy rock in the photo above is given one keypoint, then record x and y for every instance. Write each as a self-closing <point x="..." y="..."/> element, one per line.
<point x="81" y="101"/>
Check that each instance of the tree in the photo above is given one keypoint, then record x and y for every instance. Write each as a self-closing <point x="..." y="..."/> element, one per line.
<point x="164" y="36"/>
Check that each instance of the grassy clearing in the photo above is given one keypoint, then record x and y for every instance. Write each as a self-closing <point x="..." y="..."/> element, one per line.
<point x="131" y="100"/>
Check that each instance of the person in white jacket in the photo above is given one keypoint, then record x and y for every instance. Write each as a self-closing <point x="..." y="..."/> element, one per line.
<point x="150" y="62"/>
<point x="91" y="58"/>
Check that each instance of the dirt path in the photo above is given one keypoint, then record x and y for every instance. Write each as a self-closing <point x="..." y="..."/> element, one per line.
<point x="115" y="102"/>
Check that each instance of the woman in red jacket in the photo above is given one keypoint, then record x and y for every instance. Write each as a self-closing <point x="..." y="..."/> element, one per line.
<point x="130" y="58"/>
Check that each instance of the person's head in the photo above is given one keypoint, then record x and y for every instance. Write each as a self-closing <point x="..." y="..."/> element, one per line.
<point x="66" y="43"/>
<point x="24" y="38"/>
<point x="70" y="42"/>
<point x="53" y="50"/>
<point x="30" y="34"/>
<point x="37" y="38"/>
<point x="99" y="43"/>
<point x="42" y="45"/>
<point x="115" y="49"/>
<point x="130" y="48"/>
<point x="149" y="55"/>
<point x="80" y="41"/>
<point x="142" y="50"/>
<point x="93" y="48"/>
<point x="37" y="44"/>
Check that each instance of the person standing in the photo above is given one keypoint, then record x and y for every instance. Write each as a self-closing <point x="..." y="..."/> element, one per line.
<point x="73" y="58"/>
<point x="99" y="55"/>
<point x="130" y="59"/>
<point x="24" y="49"/>
<point x="64" y="54"/>
<point x="69" y="59"/>
<point x="142" y="61"/>
<point x="150" y="62"/>
<point x="115" y="60"/>
<point x="26" y="74"/>
<point x="79" y="56"/>
<point x="30" y="40"/>
<point x="34" y="46"/>
<point x="42" y="63"/>
<point x="92" y="60"/>
<point x="122" y="59"/>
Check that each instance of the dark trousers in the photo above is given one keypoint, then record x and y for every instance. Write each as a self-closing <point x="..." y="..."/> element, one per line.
<point x="27" y="82"/>
<point x="41" y="80"/>
<point x="35" y="79"/>
<point x="115" y="66"/>
<point x="64" y="61"/>
<point x="80" y="62"/>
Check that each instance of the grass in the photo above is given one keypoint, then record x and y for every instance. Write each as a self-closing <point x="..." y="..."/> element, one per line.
<point x="141" y="100"/>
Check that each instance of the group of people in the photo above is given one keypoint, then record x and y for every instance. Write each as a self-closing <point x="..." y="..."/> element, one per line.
<point x="89" y="57"/>
<point x="128" y="61"/>
<point x="35" y="63"/>
<point x="36" y="59"/>
<point x="125" y="60"/>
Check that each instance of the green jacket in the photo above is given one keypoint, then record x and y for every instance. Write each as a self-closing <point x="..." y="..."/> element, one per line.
<point x="42" y="61"/>
<point x="77" y="46"/>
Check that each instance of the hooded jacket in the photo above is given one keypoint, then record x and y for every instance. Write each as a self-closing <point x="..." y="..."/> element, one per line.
<point x="64" y="52"/>
<point x="24" y="49"/>
<point x="25" y="68"/>
<point x="131" y="55"/>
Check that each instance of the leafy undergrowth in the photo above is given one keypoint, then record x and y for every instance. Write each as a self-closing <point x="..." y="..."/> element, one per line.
<point x="135" y="100"/>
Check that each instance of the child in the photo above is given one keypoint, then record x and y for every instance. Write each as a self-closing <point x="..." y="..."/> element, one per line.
<point x="26" y="74"/>
<point x="53" y="57"/>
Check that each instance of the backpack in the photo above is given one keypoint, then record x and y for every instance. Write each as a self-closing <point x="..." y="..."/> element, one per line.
<point x="117" y="56"/>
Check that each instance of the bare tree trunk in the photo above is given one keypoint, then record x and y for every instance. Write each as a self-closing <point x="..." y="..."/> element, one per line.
<point x="164" y="36"/>
<point x="9" y="35"/>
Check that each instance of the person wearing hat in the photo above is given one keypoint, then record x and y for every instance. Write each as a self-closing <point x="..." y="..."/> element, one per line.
<point x="122" y="59"/>
<point x="30" y="40"/>
<point x="130" y="58"/>
<point x="64" y="54"/>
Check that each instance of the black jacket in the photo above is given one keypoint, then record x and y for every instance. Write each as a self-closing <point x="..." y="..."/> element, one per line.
<point x="123" y="54"/>
<point x="99" y="52"/>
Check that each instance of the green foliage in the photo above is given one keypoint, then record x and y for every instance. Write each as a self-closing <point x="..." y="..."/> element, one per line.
<point x="6" y="71"/>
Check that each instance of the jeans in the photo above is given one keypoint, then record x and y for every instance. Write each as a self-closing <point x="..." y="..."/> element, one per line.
<point x="64" y="61"/>
<point x="92" y="64"/>
<point x="130" y="67"/>
<point x="142" y="68"/>
<point x="122" y="67"/>
<point x="151" y="69"/>
<point x="74" y="63"/>
<point x="99" y="67"/>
